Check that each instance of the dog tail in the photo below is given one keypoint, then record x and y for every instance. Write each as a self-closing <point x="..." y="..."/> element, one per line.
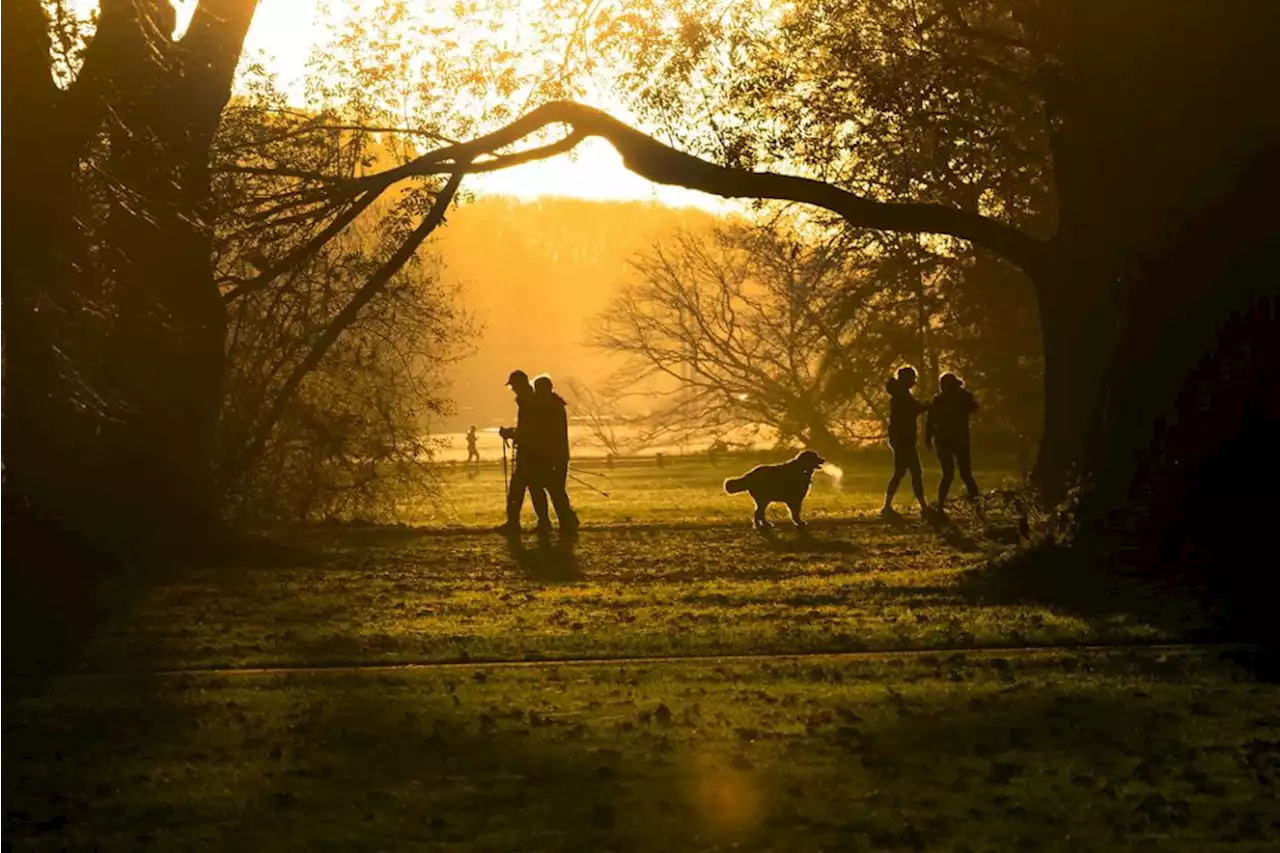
<point x="734" y="485"/>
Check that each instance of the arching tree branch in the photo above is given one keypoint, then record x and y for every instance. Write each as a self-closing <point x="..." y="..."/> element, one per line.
<point x="651" y="159"/>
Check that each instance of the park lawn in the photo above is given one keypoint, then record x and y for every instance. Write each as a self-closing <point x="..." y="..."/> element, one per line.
<point x="685" y="489"/>
<point x="1119" y="750"/>
<point x="651" y="586"/>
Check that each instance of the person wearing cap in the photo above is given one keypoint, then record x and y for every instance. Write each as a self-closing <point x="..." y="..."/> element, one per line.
<point x="904" y="409"/>
<point x="947" y="428"/>
<point x="527" y="468"/>
<point x="551" y="422"/>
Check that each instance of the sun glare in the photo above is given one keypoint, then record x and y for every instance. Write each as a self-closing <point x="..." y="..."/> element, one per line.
<point x="282" y="37"/>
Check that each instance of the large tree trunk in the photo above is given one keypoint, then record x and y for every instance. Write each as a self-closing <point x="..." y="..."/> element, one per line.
<point x="164" y="357"/>
<point x="51" y="410"/>
<point x="114" y="327"/>
<point x="1183" y="177"/>
<point x="1075" y="328"/>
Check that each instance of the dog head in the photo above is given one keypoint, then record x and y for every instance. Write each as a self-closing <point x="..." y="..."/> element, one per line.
<point x="810" y="460"/>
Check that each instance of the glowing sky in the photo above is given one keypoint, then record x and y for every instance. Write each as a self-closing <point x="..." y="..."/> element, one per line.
<point x="284" y="31"/>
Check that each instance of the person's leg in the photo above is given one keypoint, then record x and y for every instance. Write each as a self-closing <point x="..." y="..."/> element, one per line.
<point x="559" y="495"/>
<point x="899" y="469"/>
<point x="965" y="461"/>
<point x="537" y="484"/>
<point x="947" y="459"/>
<point x="917" y="480"/>
<point x="515" y="494"/>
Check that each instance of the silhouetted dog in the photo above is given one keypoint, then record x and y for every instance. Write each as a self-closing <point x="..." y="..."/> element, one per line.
<point x="785" y="483"/>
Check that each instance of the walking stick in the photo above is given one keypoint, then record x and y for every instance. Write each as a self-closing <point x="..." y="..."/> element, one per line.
<point x="506" y="480"/>
<point x="582" y="482"/>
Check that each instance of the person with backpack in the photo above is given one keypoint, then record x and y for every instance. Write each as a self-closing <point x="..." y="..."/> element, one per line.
<point x="946" y="428"/>
<point x="551" y="420"/>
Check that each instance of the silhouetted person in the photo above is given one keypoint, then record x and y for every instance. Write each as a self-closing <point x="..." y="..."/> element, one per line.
<point x="903" y="411"/>
<point x="947" y="427"/>
<point x="473" y="454"/>
<point x="526" y="468"/>
<point x="717" y="449"/>
<point x="552" y="425"/>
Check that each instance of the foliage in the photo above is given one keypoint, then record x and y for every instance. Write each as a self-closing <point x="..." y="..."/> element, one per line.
<point x="311" y="430"/>
<point x="934" y="102"/>
<point x="318" y="424"/>
<point x="762" y="325"/>
<point x="600" y="413"/>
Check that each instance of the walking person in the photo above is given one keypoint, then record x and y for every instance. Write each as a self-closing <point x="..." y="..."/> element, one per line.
<point x="904" y="409"/>
<point x="473" y="454"/>
<point x="946" y="427"/>
<point x="553" y="430"/>
<point x="527" y="467"/>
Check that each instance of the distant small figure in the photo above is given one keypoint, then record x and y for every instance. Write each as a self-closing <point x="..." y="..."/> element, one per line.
<point x="717" y="449"/>
<point x="786" y="483"/>
<point x="473" y="454"/>
<point x="904" y="409"/>
<point x="947" y="427"/>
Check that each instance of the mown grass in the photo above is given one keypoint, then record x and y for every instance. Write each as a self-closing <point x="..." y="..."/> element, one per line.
<point x="687" y="489"/>
<point x="946" y="750"/>
<point x="394" y="596"/>
<point x="1050" y="751"/>
<point x="620" y="589"/>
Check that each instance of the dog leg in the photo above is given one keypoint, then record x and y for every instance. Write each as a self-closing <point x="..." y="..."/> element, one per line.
<point x="761" y="523"/>
<point x="795" y="514"/>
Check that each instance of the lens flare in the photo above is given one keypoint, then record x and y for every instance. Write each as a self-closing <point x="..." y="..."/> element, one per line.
<point x="729" y="800"/>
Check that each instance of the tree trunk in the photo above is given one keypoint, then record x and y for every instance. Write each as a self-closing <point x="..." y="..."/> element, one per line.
<point x="164" y="358"/>
<point x="114" y="327"/>
<point x="1075" y="328"/>
<point x="50" y="406"/>
<point x="1183" y="176"/>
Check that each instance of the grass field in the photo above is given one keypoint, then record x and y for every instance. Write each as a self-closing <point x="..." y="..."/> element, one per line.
<point x="800" y="720"/>
<point x="684" y="490"/>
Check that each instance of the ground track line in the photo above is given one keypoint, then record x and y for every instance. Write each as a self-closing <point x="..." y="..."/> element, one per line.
<point x="642" y="660"/>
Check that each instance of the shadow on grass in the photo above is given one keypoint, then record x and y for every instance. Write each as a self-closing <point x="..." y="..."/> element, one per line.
<point x="61" y="588"/>
<point x="804" y="542"/>
<point x="1108" y="768"/>
<point x="467" y="762"/>
<point x="549" y="561"/>
<point x="1054" y="576"/>
<point x="351" y="764"/>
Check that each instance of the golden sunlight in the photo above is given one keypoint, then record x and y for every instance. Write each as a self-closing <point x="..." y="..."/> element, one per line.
<point x="282" y="37"/>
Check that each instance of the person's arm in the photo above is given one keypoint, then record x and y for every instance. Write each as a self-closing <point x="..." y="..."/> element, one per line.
<point x="929" y="426"/>
<point x="564" y="436"/>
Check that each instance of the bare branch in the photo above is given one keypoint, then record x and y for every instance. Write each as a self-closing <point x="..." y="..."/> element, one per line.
<point x="375" y="285"/>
